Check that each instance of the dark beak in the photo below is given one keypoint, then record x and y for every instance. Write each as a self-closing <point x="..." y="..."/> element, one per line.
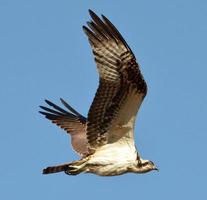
<point x="156" y="169"/>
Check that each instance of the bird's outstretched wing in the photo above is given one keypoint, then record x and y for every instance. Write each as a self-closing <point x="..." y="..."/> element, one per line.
<point x="72" y="122"/>
<point x="121" y="85"/>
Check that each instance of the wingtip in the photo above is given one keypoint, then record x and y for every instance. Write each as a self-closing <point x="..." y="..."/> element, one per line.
<point x="84" y="28"/>
<point x="90" y="12"/>
<point x="63" y="101"/>
<point x="41" y="112"/>
<point x="47" y="101"/>
<point x="104" y="18"/>
<point x="93" y="14"/>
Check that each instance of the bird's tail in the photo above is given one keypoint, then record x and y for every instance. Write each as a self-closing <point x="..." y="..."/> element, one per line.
<point x="73" y="168"/>
<point x="55" y="169"/>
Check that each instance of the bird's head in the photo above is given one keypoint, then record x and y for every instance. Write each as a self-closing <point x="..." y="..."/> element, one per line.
<point x="144" y="166"/>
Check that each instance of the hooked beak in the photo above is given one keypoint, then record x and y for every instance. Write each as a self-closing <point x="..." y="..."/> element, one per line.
<point x="156" y="169"/>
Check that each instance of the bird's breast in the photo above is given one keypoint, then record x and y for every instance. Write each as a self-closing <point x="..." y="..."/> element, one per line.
<point x="118" y="152"/>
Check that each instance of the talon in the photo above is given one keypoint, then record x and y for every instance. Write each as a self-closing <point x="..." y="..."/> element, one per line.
<point x="72" y="172"/>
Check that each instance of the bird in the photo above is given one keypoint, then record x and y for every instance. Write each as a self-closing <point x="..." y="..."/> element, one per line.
<point x="104" y="139"/>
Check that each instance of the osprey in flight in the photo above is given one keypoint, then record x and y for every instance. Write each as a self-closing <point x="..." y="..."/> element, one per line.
<point x="105" y="139"/>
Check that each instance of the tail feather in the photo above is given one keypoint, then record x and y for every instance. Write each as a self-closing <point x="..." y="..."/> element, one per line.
<point x="55" y="169"/>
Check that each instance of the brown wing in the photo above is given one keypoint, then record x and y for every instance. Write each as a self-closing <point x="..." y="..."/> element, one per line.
<point x="72" y="122"/>
<point x="119" y="79"/>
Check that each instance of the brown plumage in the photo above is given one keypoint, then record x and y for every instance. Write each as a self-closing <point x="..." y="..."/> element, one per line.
<point x="118" y="75"/>
<point x="71" y="121"/>
<point x="105" y="139"/>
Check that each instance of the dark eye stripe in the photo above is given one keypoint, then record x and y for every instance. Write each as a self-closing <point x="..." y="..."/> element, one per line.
<point x="145" y="164"/>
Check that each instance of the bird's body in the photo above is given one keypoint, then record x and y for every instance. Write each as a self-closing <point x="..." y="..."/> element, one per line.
<point x="110" y="160"/>
<point x="105" y="139"/>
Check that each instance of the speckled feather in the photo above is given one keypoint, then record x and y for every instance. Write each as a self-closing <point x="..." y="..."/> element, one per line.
<point x="72" y="122"/>
<point x="119" y="76"/>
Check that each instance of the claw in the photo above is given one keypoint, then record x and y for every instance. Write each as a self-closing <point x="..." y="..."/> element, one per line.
<point x="76" y="167"/>
<point x="72" y="171"/>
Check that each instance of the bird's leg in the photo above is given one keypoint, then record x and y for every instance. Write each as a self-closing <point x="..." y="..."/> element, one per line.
<point x="76" y="167"/>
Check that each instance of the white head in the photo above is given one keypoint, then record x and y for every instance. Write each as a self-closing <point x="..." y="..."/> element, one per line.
<point x="144" y="166"/>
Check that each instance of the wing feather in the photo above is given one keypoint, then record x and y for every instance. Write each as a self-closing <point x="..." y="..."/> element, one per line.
<point x="72" y="122"/>
<point x="119" y="80"/>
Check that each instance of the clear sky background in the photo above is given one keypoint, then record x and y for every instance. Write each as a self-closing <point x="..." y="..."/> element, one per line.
<point x="44" y="54"/>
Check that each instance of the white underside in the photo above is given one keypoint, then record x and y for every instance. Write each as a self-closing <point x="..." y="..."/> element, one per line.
<point x="115" y="152"/>
<point x="120" y="152"/>
<point x="113" y="159"/>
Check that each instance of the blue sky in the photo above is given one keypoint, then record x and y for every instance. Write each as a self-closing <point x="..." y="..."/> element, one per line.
<point x="44" y="54"/>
